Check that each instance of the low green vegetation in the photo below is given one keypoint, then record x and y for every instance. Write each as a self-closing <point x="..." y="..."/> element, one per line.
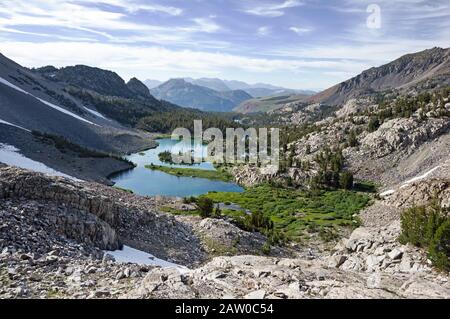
<point x="219" y="174"/>
<point x="65" y="146"/>
<point x="365" y="187"/>
<point x="331" y="172"/>
<point x="126" y="190"/>
<point x="292" y="212"/>
<point x="206" y="207"/>
<point x="162" y="136"/>
<point x="167" y="121"/>
<point x="254" y="221"/>
<point x="165" y="157"/>
<point x="428" y="227"/>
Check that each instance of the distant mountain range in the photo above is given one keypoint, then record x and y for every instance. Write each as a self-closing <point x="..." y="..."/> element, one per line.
<point x="184" y="93"/>
<point x="212" y="94"/>
<point x="151" y="84"/>
<point x="255" y="90"/>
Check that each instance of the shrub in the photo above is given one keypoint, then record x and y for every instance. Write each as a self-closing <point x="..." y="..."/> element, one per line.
<point x="165" y="157"/>
<point x="217" y="212"/>
<point x="189" y="200"/>
<point x="439" y="251"/>
<point x="413" y="222"/>
<point x="276" y="237"/>
<point x="328" y="235"/>
<point x="436" y="217"/>
<point x="257" y="220"/>
<point x="313" y="228"/>
<point x="346" y="180"/>
<point x="428" y="227"/>
<point x="206" y="206"/>
<point x="352" y="139"/>
<point x="266" y="248"/>
<point x="374" y="124"/>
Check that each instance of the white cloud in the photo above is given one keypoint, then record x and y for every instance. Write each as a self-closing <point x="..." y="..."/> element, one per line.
<point x="62" y="14"/>
<point x="132" y="6"/>
<point x="263" y="31"/>
<point x="299" y="30"/>
<point x="273" y="10"/>
<point x="110" y="26"/>
<point x="370" y="53"/>
<point x="113" y="35"/>
<point x="156" y="8"/>
<point x="204" y="25"/>
<point x="142" y="61"/>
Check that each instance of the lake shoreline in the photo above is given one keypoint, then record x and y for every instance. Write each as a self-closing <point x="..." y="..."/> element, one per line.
<point x="153" y="177"/>
<point x="217" y="175"/>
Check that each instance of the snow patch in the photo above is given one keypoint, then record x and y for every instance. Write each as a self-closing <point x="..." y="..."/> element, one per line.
<point x="387" y="193"/>
<point x="3" y="81"/>
<point x="96" y="114"/>
<point x="131" y="255"/>
<point x="58" y="108"/>
<point x="418" y="178"/>
<point x="408" y="182"/>
<point x="10" y="124"/>
<point x="10" y="155"/>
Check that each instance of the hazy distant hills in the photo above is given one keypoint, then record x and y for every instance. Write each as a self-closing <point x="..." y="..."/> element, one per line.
<point x="213" y="94"/>
<point x="255" y="90"/>
<point x="151" y="84"/>
<point x="184" y="93"/>
<point x="213" y="84"/>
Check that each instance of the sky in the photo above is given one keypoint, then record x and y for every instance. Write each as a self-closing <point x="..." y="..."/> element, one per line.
<point x="300" y="44"/>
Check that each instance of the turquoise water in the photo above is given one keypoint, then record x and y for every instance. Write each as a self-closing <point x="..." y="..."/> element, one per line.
<point x="144" y="181"/>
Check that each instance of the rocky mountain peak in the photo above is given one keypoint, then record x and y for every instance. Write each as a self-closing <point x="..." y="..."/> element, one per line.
<point x="136" y="86"/>
<point x="90" y="78"/>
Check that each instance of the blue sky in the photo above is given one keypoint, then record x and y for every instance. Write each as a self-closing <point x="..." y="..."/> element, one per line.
<point x="304" y="44"/>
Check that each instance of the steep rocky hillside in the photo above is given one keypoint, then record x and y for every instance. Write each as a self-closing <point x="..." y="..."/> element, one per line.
<point x="430" y="68"/>
<point x="82" y="80"/>
<point x="412" y="73"/>
<point x="386" y="142"/>
<point x="30" y="103"/>
<point x="75" y="220"/>
<point x="268" y="104"/>
<point x="34" y="102"/>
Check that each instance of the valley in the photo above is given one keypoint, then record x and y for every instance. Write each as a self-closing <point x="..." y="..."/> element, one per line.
<point x="81" y="169"/>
